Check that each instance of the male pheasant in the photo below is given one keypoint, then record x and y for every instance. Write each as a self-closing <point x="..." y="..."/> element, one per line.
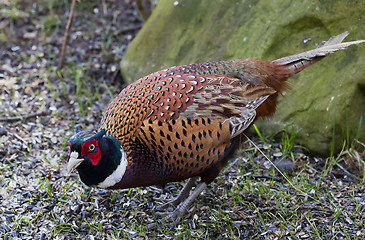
<point x="183" y="122"/>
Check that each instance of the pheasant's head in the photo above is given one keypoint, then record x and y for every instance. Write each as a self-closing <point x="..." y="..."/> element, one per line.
<point x="100" y="160"/>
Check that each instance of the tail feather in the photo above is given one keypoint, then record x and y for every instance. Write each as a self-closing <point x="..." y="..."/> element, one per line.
<point x="300" y="61"/>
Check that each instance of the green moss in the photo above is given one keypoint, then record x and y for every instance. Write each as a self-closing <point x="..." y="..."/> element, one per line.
<point x="3" y="37"/>
<point x="328" y="95"/>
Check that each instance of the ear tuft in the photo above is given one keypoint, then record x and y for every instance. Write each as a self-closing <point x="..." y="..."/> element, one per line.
<point x="78" y="129"/>
<point x="100" y="134"/>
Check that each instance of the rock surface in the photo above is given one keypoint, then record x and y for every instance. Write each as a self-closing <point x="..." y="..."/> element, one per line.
<point x="326" y="103"/>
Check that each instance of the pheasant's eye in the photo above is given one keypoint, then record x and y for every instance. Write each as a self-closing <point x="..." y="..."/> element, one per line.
<point x="90" y="150"/>
<point x="91" y="147"/>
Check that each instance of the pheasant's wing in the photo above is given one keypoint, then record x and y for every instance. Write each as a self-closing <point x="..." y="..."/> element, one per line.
<point x="164" y="96"/>
<point x="243" y="121"/>
<point x="193" y="96"/>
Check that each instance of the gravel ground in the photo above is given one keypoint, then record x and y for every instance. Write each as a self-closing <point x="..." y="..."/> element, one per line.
<point x="40" y="107"/>
<point x="33" y="150"/>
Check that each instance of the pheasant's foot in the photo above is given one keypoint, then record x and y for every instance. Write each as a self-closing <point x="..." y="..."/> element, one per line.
<point x="170" y="219"/>
<point x="184" y="194"/>
<point x="176" y="216"/>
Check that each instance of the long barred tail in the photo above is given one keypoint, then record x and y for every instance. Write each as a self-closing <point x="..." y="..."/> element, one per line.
<point x="300" y="61"/>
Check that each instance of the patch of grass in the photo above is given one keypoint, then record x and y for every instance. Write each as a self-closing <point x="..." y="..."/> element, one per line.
<point x="288" y="141"/>
<point x="14" y="13"/>
<point x="51" y="23"/>
<point x="88" y="6"/>
<point x="359" y="127"/>
<point x="291" y="205"/>
<point x="87" y="89"/>
<point x="77" y="73"/>
<point x="47" y="188"/>
<point x="3" y="37"/>
<point x="54" y="5"/>
<point x="261" y="136"/>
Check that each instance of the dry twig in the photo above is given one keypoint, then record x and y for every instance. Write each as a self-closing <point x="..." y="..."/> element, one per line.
<point x="20" y="118"/>
<point x="67" y="34"/>
<point x="142" y="10"/>
<point x="128" y="29"/>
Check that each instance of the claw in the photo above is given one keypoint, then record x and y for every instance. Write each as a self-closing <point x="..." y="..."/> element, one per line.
<point x="183" y="194"/>
<point x="170" y="220"/>
<point x="181" y="210"/>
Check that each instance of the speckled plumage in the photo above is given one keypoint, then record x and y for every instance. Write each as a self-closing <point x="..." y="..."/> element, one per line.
<point x="184" y="122"/>
<point x="172" y="123"/>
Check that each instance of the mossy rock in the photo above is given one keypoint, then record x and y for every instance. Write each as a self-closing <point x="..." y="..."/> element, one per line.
<point x="326" y="103"/>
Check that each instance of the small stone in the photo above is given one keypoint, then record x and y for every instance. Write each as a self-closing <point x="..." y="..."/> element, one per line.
<point x="43" y="235"/>
<point x="2" y="131"/>
<point x="278" y="154"/>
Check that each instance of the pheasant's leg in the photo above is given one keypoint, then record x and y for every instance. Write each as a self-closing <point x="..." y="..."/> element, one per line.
<point x="181" y="210"/>
<point x="183" y="207"/>
<point x="175" y="217"/>
<point x="184" y="193"/>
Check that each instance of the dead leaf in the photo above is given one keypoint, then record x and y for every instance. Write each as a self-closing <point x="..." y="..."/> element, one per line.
<point x="9" y="82"/>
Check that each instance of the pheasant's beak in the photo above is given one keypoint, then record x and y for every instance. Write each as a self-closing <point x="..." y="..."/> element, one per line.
<point x="73" y="161"/>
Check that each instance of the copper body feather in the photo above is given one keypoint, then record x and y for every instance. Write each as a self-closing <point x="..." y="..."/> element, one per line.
<point x="184" y="121"/>
<point x="173" y="123"/>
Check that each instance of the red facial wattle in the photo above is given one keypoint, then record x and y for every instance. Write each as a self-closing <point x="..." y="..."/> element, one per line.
<point x="94" y="155"/>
